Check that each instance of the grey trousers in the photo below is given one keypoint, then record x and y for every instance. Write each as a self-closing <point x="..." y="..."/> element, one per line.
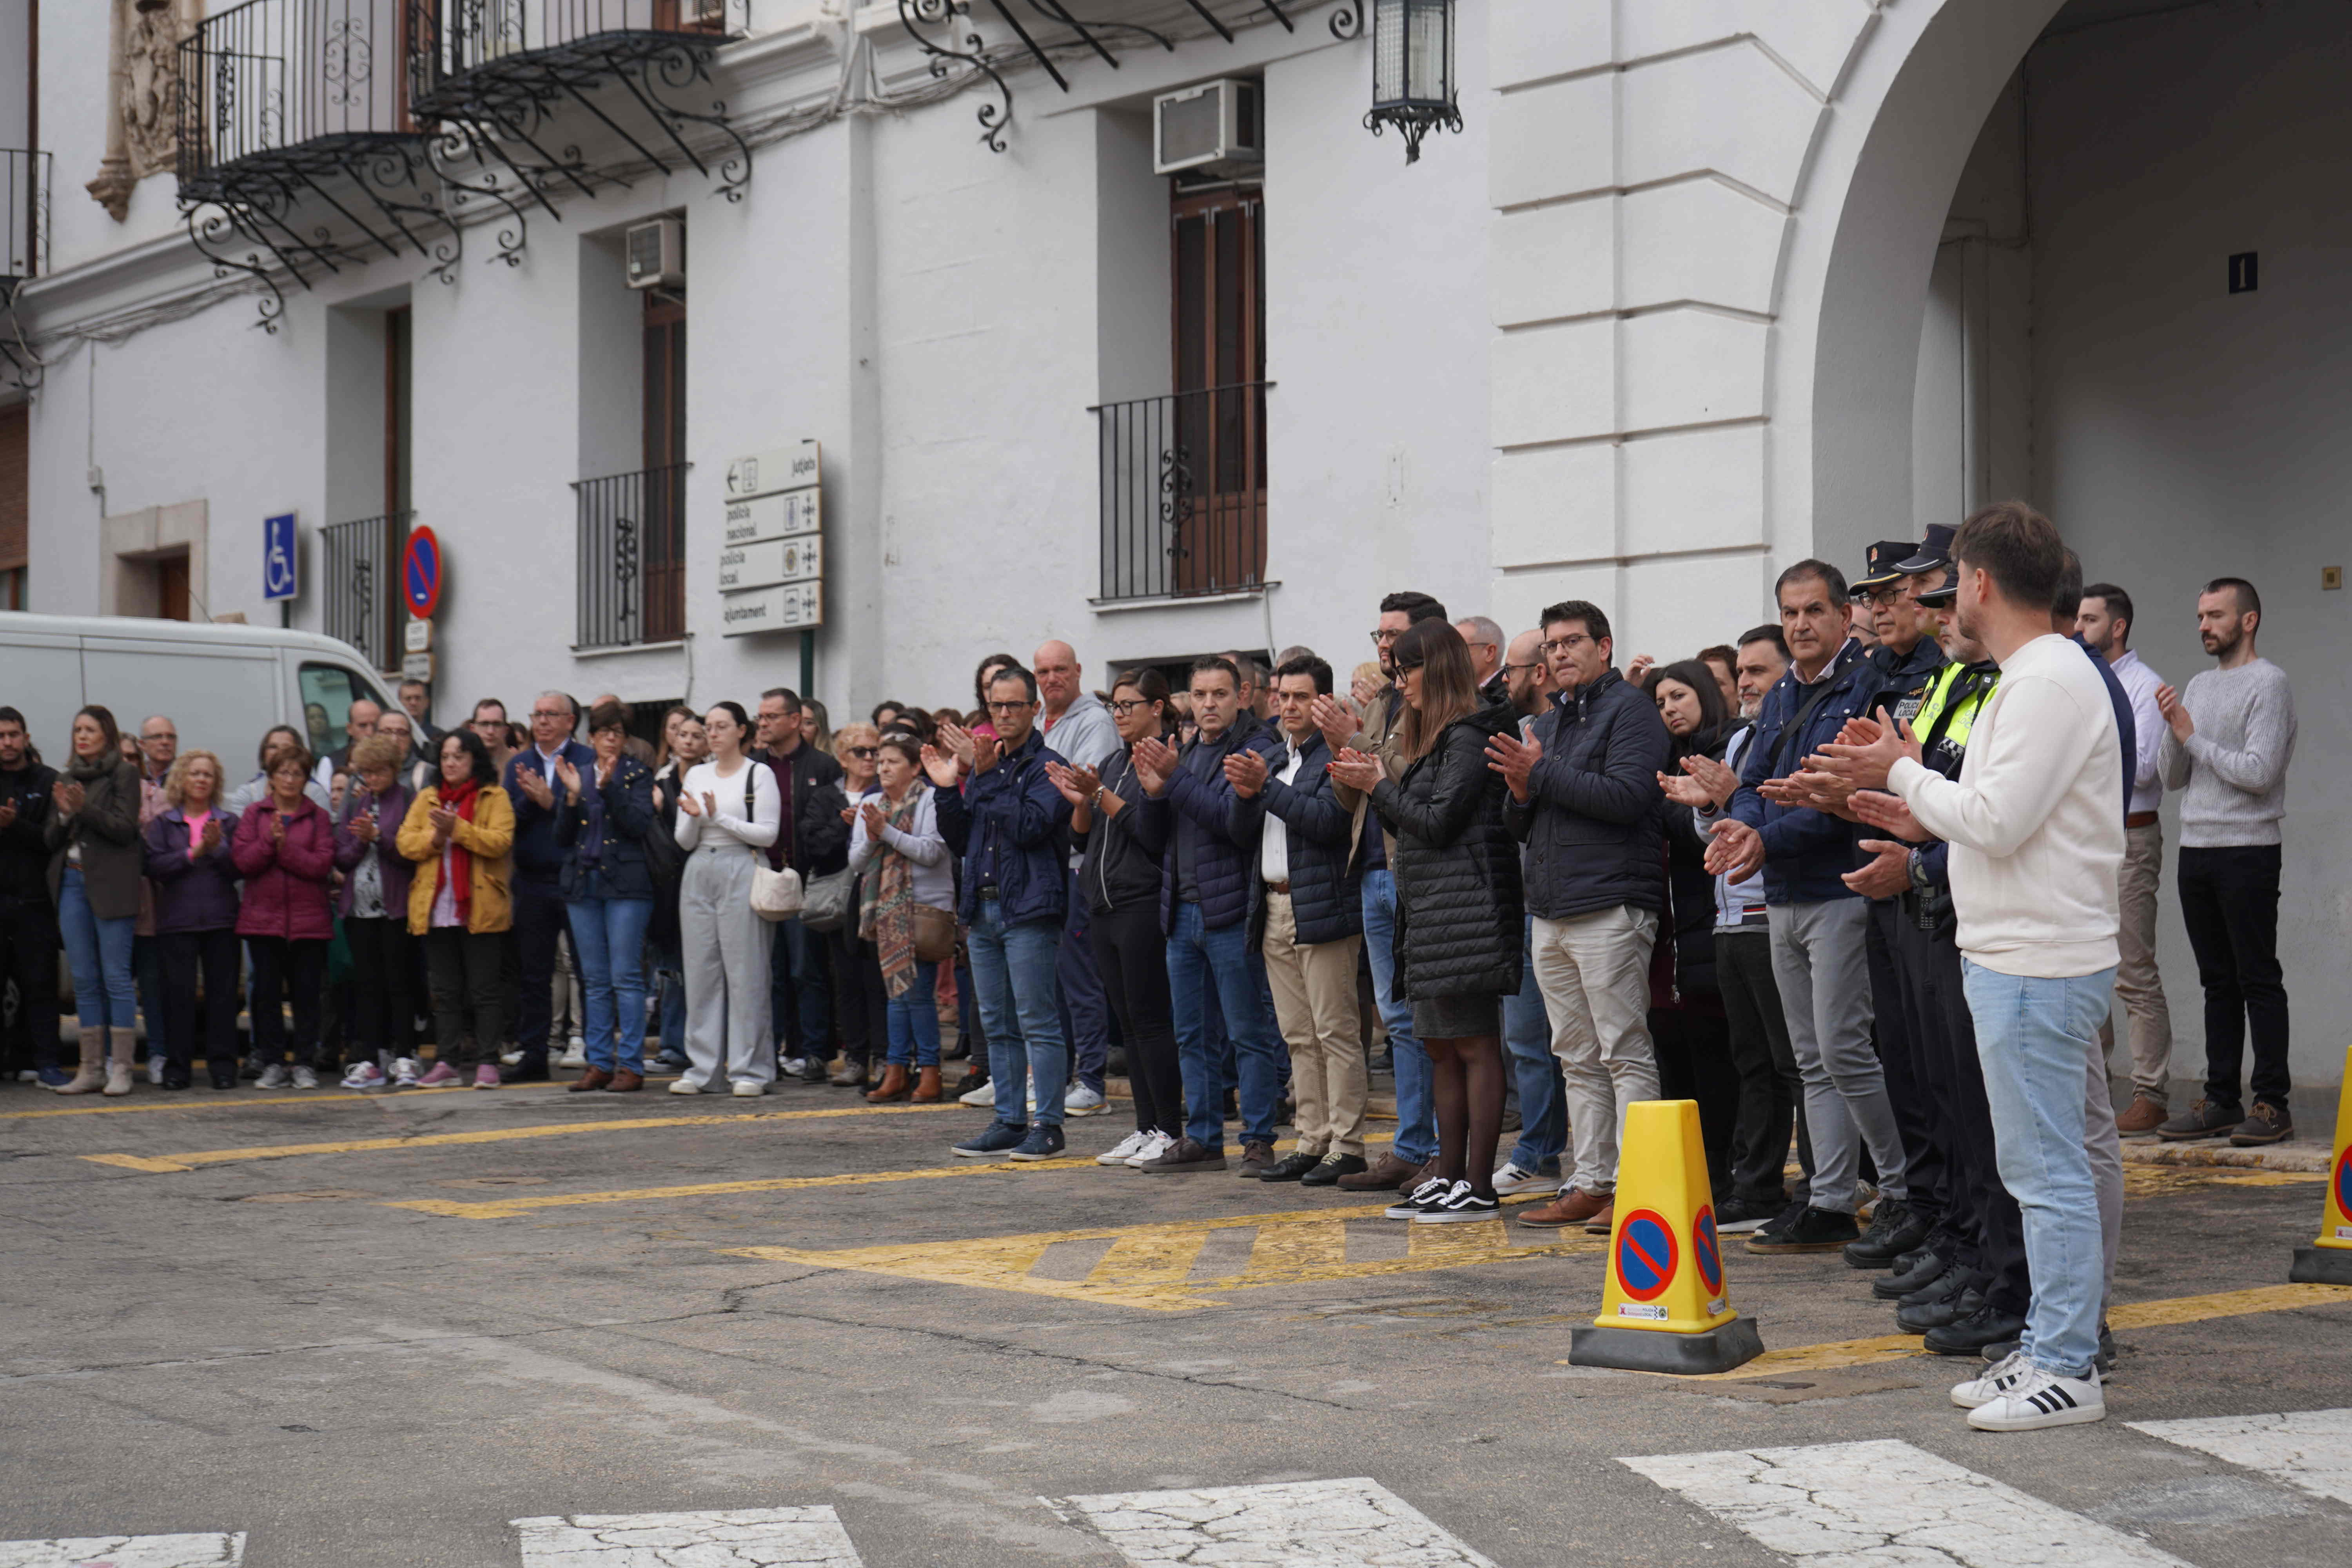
<point x="1818" y="960"/>
<point x="726" y="949"/>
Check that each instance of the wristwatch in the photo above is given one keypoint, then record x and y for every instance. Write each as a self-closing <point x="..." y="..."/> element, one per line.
<point x="1918" y="865"/>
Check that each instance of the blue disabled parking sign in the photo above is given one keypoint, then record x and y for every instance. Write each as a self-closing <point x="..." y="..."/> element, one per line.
<point x="280" y="578"/>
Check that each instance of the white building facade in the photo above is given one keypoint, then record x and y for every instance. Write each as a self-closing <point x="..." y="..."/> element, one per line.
<point x="1699" y="288"/>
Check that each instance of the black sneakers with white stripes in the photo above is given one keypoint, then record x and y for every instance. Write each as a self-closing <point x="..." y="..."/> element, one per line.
<point x="1458" y="1203"/>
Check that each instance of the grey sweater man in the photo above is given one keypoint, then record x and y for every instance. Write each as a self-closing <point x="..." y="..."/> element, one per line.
<point x="2233" y="770"/>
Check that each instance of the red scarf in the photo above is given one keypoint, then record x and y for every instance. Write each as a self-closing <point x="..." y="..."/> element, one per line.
<point x="461" y="798"/>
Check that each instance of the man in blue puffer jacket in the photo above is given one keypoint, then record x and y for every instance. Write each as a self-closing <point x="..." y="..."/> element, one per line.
<point x="1209" y="893"/>
<point x="1015" y="883"/>
<point x="1818" y="924"/>
<point x="1309" y="926"/>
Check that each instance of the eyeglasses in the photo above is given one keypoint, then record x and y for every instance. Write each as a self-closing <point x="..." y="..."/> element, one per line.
<point x="1383" y="637"/>
<point x="1568" y="644"/>
<point x="538" y="713"/>
<point x="1010" y="707"/>
<point x="1130" y="704"/>
<point x="1537" y="665"/>
<point x="866" y="753"/>
<point x="162" y="735"/>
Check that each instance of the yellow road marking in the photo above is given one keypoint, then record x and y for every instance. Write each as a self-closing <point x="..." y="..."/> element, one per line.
<point x="222" y="1102"/>
<point x="2132" y="1315"/>
<point x="189" y="1162"/>
<point x="1149" y="1266"/>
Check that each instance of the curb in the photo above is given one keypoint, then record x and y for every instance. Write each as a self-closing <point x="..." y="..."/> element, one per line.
<point x="2289" y="1156"/>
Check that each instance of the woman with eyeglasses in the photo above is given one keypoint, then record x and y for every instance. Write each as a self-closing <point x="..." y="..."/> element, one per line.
<point x="1122" y="833"/>
<point x="903" y="863"/>
<point x="1459" y="932"/>
<point x="728" y="811"/>
<point x="602" y="822"/>
<point x="860" y="1002"/>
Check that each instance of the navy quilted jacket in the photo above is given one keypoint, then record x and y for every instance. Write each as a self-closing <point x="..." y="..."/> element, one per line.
<point x="1223" y="826"/>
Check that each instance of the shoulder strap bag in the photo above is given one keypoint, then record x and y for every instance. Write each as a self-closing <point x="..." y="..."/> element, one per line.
<point x="775" y="894"/>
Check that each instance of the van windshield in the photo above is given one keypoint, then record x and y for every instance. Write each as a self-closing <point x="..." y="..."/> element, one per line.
<point x="328" y="692"/>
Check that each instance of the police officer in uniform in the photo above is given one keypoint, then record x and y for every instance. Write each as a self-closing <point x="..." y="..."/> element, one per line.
<point x="1905" y="660"/>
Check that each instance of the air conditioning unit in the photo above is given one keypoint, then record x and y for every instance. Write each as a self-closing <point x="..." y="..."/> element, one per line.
<point x="1216" y="128"/>
<point x="656" y="252"/>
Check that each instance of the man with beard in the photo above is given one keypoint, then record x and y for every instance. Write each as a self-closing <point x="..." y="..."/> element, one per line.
<point x="2230" y="737"/>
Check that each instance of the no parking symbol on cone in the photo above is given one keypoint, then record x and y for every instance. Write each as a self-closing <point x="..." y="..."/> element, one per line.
<point x="1665" y="1309"/>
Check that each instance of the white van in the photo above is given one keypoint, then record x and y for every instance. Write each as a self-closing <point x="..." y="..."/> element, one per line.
<point x="222" y="686"/>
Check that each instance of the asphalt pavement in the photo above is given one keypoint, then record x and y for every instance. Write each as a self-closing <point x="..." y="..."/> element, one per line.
<point x="528" y="1327"/>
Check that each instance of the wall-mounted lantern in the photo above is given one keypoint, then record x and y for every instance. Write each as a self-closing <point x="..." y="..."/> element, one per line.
<point x="1413" y="71"/>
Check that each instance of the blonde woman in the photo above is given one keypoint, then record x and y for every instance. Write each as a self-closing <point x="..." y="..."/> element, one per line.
<point x="194" y="878"/>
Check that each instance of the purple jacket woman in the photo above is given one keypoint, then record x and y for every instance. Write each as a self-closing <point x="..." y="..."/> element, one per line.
<point x="191" y="893"/>
<point x="391" y="809"/>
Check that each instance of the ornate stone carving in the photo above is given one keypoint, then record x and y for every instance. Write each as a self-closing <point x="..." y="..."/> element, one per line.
<point x="142" y="103"/>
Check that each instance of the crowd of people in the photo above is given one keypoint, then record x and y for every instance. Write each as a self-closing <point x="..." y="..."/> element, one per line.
<point x="1865" y="879"/>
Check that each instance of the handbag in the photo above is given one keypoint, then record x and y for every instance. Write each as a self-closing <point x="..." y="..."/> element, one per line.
<point x="935" y="934"/>
<point x="828" y="900"/>
<point x="775" y="894"/>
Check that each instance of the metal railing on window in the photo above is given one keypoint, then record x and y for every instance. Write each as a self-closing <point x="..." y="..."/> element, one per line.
<point x="1183" y="493"/>
<point x="25" y="209"/>
<point x="362" y="599"/>
<point x="632" y="582"/>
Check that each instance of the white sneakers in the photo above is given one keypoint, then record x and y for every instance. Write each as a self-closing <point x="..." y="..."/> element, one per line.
<point x="1125" y="1150"/>
<point x="305" y="1079"/>
<point x="575" y="1054"/>
<point x="984" y="1095"/>
<point x="1511" y="1179"/>
<point x="274" y="1075"/>
<point x="2015" y="1396"/>
<point x="746" y="1089"/>
<point x="405" y="1072"/>
<point x="363" y="1075"/>
<point x="1080" y="1100"/>
<point x="1155" y="1144"/>
<point x="685" y="1086"/>
<point x="155" y="1066"/>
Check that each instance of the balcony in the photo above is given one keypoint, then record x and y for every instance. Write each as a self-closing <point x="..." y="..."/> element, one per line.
<point x="632" y="570"/>
<point x="361" y="606"/>
<point x="1184" y="493"/>
<point x="297" y="154"/>
<point x="25" y="209"/>
<point x="555" y="95"/>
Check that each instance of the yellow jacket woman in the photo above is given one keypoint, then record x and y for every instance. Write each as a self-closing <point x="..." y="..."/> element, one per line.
<point x="460" y="832"/>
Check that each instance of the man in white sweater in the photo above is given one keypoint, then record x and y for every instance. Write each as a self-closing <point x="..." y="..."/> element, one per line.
<point x="2036" y="823"/>
<point x="2227" y="743"/>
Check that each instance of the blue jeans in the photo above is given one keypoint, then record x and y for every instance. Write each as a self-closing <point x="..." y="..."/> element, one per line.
<point x="608" y="940"/>
<point x="1201" y="962"/>
<point x="1416" y="1134"/>
<point x="99" y="952"/>
<point x="1019" y="1009"/>
<point x="914" y="1018"/>
<point x="1086" y="1011"/>
<point x="1543" y="1093"/>
<point x="800" y="990"/>
<point x="2034" y="1038"/>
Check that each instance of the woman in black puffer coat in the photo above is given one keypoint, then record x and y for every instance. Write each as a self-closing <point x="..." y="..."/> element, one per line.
<point x="1687" y="1024"/>
<point x="1459" y="932"/>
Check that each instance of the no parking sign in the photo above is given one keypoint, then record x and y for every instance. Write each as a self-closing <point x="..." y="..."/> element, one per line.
<point x="420" y="574"/>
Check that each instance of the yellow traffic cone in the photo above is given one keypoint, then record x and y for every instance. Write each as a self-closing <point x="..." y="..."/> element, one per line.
<point x="1665" y="1309"/>
<point x="2328" y="1260"/>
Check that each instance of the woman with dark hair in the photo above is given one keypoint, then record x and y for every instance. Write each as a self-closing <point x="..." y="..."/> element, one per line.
<point x="683" y="745"/>
<point x="1688" y="1024"/>
<point x="608" y="894"/>
<point x="284" y="850"/>
<point x="1122" y="833"/>
<point x="728" y="813"/>
<point x="96" y="860"/>
<point x="1459" y="924"/>
<point x="255" y="790"/>
<point x="460" y="831"/>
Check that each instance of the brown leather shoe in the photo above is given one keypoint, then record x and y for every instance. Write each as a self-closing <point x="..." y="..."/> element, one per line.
<point x="1603" y="1223"/>
<point x="626" y="1082"/>
<point x="926" y="1086"/>
<point x="2142" y="1117"/>
<point x="594" y="1077"/>
<point x="1572" y="1206"/>
<point x="893" y="1086"/>
<point x="1388" y="1173"/>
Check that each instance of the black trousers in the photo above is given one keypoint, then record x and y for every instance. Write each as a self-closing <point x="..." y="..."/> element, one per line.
<point x="384" y="1005"/>
<point x="287" y="968"/>
<point x="1694" y="1050"/>
<point x="1918" y="1115"/>
<point x="185" y="955"/>
<point x="2229" y="901"/>
<point x="1131" y="956"/>
<point x="1981" y="1208"/>
<point x="1770" y="1087"/>
<point x="539" y="919"/>
<point x="860" y="1000"/>
<point x="28" y="955"/>
<point x="467" y="973"/>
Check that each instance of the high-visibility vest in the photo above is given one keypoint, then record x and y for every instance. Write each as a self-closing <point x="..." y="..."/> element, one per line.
<point x="1954" y="697"/>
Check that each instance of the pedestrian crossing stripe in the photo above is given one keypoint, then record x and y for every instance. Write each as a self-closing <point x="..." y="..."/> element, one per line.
<point x="1297" y="1524"/>
<point x="1887" y="1504"/>
<point x="208" y="1550"/>
<point x="1151" y="1266"/>
<point x="732" y="1538"/>
<point x="2311" y="1449"/>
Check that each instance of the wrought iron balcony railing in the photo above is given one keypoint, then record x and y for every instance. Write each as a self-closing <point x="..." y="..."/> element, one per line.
<point x="362" y="605"/>
<point x="1183" y="493"/>
<point x="25" y="209"/>
<point x="579" y="94"/>
<point x="296" y="141"/>
<point x="631" y="574"/>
